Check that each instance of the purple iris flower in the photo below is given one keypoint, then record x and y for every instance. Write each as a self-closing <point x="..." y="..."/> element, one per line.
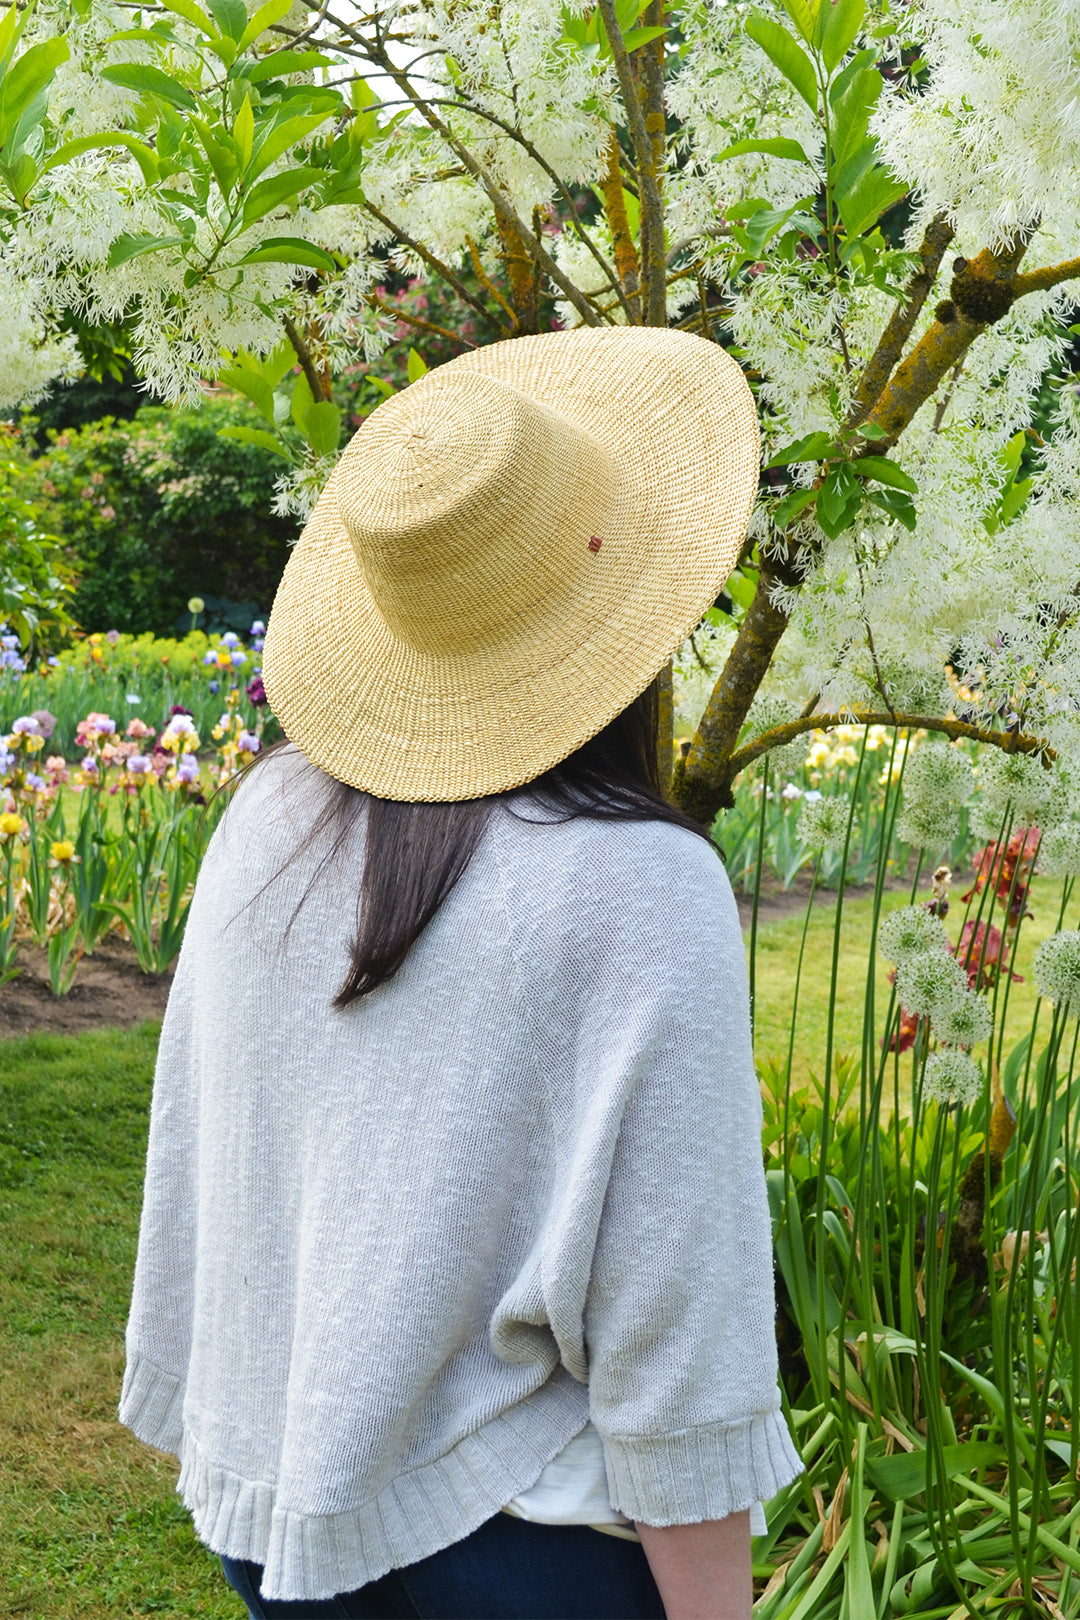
<point x="230" y="639"/>
<point x="46" y="721"/>
<point x="248" y="743"/>
<point x="140" y="764"/>
<point x="255" y="689"/>
<point x="188" y="768"/>
<point x="35" y="782"/>
<point x="215" y="686"/>
<point x="26" y="726"/>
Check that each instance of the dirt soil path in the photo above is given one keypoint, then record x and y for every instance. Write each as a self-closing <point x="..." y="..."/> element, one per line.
<point x="109" y="989"/>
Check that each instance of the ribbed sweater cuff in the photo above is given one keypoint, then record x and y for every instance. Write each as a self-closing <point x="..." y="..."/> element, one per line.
<point x="702" y="1473"/>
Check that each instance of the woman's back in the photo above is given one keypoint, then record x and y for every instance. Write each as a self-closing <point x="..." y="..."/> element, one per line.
<point x="395" y="1255"/>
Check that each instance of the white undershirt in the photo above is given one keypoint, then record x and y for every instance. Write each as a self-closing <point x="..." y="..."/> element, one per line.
<point x="573" y="1489"/>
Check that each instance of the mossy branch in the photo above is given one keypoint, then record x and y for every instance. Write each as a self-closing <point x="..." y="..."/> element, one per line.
<point x="627" y="269"/>
<point x="653" y="255"/>
<point x="1011" y="742"/>
<point x="879" y="368"/>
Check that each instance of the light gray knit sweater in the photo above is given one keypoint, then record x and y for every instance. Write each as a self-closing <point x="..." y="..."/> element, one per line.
<point x="393" y="1258"/>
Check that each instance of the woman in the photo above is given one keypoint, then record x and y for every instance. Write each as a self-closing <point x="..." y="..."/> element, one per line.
<point x="455" y="1251"/>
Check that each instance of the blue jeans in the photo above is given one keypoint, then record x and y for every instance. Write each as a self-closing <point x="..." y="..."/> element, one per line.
<point x="509" y="1569"/>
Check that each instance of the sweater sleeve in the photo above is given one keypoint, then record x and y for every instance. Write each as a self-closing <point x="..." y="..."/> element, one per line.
<point x="665" y="1180"/>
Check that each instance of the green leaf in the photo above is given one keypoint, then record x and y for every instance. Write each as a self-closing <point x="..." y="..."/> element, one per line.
<point x="803" y="14"/>
<point x="266" y="16"/>
<point x="150" y="81"/>
<point x="786" y="55"/>
<point x="230" y="16"/>
<point x="637" y="37"/>
<point x="25" y="80"/>
<point x="838" y="502"/>
<point x="814" y="447"/>
<point x="903" y="1477"/>
<point x="244" y="131"/>
<point x="278" y="65"/>
<point x="865" y="204"/>
<point x="843" y="19"/>
<point x="774" y="146"/>
<point x="302" y="399"/>
<point x="191" y="13"/>
<point x="896" y="505"/>
<point x="321" y="426"/>
<point x="269" y="194"/>
<point x="885" y="472"/>
<point x="11" y="27"/>
<point x="221" y="154"/>
<point x="258" y="436"/>
<point x="417" y="366"/>
<point x="742" y="587"/>
<point x="796" y="501"/>
<point x="860" y="61"/>
<point x="850" y="119"/>
<point x="872" y="430"/>
<point x="253" y="387"/>
<point x="133" y="247"/>
<point x="144" y="155"/>
<point x="290" y="250"/>
<point x="288" y="133"/>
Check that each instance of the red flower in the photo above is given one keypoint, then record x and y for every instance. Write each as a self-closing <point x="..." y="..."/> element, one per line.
<point x="1002" y="867"/>
<point x="982" y="951"/>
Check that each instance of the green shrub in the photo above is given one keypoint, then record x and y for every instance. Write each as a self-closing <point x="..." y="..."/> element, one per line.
<point x="159" y="509"/>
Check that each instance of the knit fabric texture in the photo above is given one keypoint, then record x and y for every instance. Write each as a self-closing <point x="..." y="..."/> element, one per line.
<point x="393" y="1258"/>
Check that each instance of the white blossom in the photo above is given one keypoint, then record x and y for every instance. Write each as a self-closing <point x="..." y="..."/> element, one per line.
<point x="823" y="823"/>
<point x="952" y="1076"/>
<point x="965" y="1023"/>
<point x="1057" y="970"/>
<point x="1059" y="853"/>
<point x="929" y="983"/>
<point x="910" y="931"/>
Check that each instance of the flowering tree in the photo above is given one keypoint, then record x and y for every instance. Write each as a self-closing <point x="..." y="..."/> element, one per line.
<point x="874" y="207"/>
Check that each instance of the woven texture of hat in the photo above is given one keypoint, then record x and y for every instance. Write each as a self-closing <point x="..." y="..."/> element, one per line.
<point x="506" y="554"/>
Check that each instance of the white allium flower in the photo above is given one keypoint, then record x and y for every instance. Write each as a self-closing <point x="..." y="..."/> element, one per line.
<point x="936" y="771"/>
<point x="952" y="1076"/>
<point x="1018" y="780"/>
<point x="965" y="1024"/>
<point x="1059" y="855"/>
<point x="929" y="824"/>
<point x="930" y="983"/>
<point x="823" y="823"/>
<point x="766" y="713"/>
<point x="910" y="931"/>
<point x="1057" y="970"/>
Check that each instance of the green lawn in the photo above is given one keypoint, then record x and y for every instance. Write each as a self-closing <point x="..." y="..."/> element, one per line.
<point x="89" y="1523"/>
<point x="777" y="956"/>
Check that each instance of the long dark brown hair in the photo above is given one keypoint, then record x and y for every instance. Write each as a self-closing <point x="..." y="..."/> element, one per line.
<point x="414" y="854"/>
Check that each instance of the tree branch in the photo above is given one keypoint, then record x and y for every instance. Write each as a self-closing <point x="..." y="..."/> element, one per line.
<point x="1042" y="280"/>
<point x="421" y="325"/>
<point x="1010" y="741"/>
<point x="653" y="268"/>
<point x="627" y="269"/>
<point x="440" y="269"/>
<point x="702" y="780"/>
<point x="879" y="368"/>
<point x="981" y="292"/>
<point x="502" y="205"/>
<point x="317" y="381"/>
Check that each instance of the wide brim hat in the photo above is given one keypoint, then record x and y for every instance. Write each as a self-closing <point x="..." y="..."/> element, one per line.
<point x="507" y="553"/>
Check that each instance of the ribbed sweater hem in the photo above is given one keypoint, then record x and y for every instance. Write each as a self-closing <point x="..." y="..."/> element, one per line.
<point x="701" y="1473"/>
<point x="319" y="1555"/>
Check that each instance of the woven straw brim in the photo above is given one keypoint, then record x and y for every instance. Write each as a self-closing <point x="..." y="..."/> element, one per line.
<point x="678" y="419"/>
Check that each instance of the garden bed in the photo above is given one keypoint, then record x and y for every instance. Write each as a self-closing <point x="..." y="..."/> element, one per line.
<point x="109" y="990"/>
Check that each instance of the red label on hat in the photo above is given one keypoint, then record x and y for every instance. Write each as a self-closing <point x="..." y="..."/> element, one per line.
<point x="595" y="543"/>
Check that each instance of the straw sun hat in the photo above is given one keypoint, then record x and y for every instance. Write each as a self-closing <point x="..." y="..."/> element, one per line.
<point x="505" y="556"/>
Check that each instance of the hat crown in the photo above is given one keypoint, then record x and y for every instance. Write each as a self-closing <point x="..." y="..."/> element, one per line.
<point x="469" y="504"/>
